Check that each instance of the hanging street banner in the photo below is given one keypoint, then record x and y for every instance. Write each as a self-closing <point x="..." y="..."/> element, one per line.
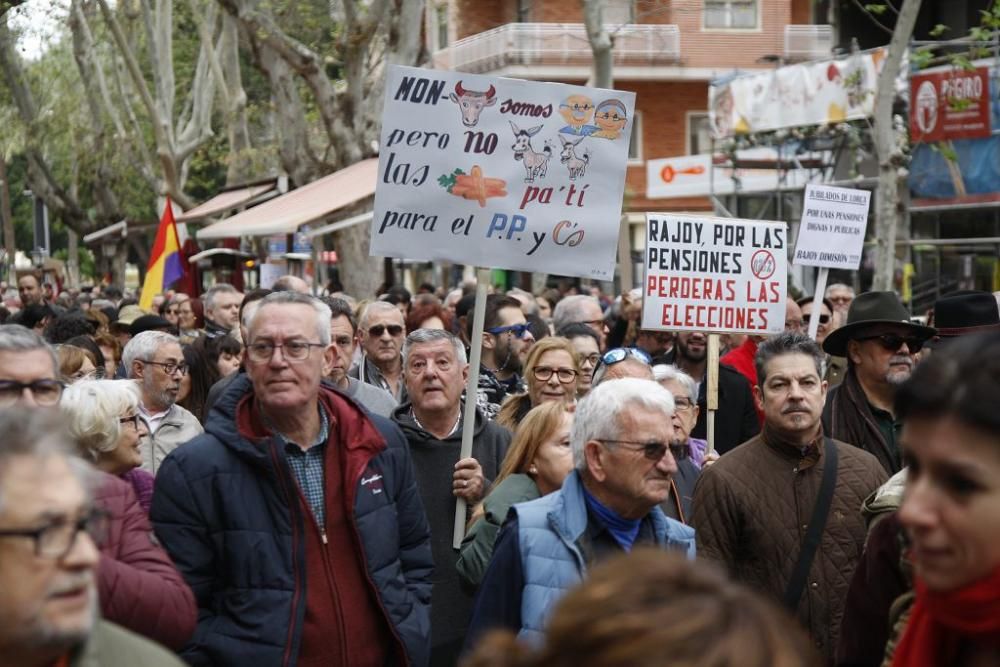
<point x="715" y="275"/>
<point x="950" y="103"/>
<point x="815" y="93"/>
<point x="832" y="230"/>
<point x="501" y="173"/>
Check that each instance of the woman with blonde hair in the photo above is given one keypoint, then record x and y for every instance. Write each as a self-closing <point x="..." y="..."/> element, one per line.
<point x="538" y="461"/>
<point x="102" y="416"/>
<point x="550" y="371"/>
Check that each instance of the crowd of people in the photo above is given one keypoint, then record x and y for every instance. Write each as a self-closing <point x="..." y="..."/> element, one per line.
<point x="271" y="478"/>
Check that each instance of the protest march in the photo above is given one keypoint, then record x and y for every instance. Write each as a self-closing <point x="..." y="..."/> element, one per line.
<point x="483" y="377"/>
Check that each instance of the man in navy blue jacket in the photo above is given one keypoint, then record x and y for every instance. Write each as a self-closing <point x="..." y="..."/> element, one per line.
<point x="295" y="518"/>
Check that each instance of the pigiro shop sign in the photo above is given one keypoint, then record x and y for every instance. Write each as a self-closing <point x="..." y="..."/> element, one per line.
<point x="950" y="104"/>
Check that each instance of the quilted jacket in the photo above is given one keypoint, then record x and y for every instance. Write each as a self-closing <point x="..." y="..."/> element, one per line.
<point x="221" y="510"/>
<point x="139" y="587"/>
<point x="751" y="510"/>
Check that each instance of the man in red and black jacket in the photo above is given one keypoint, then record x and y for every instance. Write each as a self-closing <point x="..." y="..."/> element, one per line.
<point x="295" y="518"/>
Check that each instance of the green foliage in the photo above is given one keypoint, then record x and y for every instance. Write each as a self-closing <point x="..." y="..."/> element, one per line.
<point x="85" y="260"/>
<point x="946" y="150"/>
<point x="938" y="30"/>
<point x="921" y="58"/>
<point x="876" y="8"/>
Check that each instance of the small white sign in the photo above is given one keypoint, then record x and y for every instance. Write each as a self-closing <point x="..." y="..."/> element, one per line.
<point x="715" y="275"/>
<point x="269" y="273"/>
<point x="501" y="173"/>
<point x="832" y="231"/>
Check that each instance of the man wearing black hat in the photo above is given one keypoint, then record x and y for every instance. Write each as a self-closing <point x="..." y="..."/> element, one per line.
<point x="879" y="342"/>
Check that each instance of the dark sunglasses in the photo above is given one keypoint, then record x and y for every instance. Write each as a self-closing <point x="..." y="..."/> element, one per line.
<point x="823" y="319"/>
<point x="892" y="342"/>
<point x="379" y="329"/>
<point x="619" y="354"/>
<point x="654" y="451"/>
<point x="517" y="329"/>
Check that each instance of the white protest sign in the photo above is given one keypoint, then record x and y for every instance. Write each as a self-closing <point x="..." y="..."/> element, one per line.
<point x="832" y="231"/>
<point x="269" y="273"/>
<point x="501" y="172"/>
<point x="716" y="275"/>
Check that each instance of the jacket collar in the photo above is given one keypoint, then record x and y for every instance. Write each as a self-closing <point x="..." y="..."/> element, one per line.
<point x="806" y="455"/>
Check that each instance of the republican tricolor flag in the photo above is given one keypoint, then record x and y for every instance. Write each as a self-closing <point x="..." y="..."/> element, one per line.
<point x="166" y="264"/>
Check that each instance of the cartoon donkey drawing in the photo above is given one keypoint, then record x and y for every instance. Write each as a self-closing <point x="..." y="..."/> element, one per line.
<point x="472" y="102"/>
<point x="535" y="164"/>
<point x="576" y="165"/>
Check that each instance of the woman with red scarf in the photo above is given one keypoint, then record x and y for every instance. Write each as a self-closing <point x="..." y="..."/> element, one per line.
<point x="951" y="510"/>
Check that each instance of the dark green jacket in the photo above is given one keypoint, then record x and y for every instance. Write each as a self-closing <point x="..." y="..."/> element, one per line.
<point x="112" y="646"/>
<point x="477" y="547"/>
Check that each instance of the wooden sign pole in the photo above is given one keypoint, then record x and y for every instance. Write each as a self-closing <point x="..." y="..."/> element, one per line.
<point x="471" y="389"/>
<point x="818" y="301"/>
<point x="712" y="391"/>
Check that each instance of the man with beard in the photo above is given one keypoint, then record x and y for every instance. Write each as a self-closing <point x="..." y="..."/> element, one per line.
<point x="735" y="420"/>
<point x="506" y="341"/>
<point x="780" y="512"/>
<point x="382" y="333"/>
<point x="155" y="360"/>
<point x="879" y="342"/>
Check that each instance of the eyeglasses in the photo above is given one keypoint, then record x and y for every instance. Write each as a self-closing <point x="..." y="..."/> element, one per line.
<point x="682" y="404"/>
<point x="378" y="329"/>
<point x="96" y="374"/>
<point x="613" y="116"/>
<point x="823" y="319"/>
<point x="590" y="359"/>
<point x="618" y="354"/>
<point x="133" y="420"/>
<point x="653" y="450"/>
<point x="294" y="350"/>
<point x="544" y="374"/>
<point x="892" y="342"/>
<point x="56" y="539"/>
<point x="577" y="107"/>
<point x="517" y="329"/>
<point x="169" y="367"/>
<point x="594" y="323"/>
<point x="45" y="392"/>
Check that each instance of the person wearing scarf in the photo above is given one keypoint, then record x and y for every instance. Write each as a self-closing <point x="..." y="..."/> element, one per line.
<point x="951" y="510"/>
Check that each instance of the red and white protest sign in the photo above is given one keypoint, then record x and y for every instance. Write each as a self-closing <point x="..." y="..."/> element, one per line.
<point x="950" y="104"/>
<point x="721" y="275"/>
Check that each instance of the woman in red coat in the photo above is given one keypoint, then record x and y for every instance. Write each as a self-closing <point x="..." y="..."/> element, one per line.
<point x="951" y="509"/>
<point x="139" y="586"/>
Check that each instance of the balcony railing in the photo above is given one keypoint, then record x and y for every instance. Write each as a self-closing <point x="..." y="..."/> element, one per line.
<point x="808" y="42"/>
<point x="535" y="44"/>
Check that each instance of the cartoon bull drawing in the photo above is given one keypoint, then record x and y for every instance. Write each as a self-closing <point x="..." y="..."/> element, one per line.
<point x="472" y="102"/>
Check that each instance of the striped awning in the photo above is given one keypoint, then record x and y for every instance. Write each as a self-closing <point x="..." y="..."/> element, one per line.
<point x="285" y="214"/>
<point x="227" y="201"/>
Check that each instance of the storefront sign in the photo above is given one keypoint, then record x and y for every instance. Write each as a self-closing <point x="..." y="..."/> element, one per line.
<point x="950" y="104"/>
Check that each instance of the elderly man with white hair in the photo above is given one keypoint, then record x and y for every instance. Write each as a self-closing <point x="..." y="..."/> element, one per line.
<point x="155" y="360"/>
<point x="581" y="309"/>
<point x="624" y="457"/>
<point x="381" y="331"/>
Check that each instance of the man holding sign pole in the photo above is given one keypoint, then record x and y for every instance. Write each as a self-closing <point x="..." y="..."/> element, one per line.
<point x="435" y="371"/>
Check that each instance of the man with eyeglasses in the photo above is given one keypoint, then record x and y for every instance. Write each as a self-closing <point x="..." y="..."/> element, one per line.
<point x="295" y="517"/>
<point x="621" y="440"/>
<point x="381" y="331"/>
<point x="48" y="559"/>
<point x="436" y="372"/>
<point x="780" y="512"/>
<point x="880" y="343"/>
<point x="155" y="361"/>
<point x="506" y="340"/>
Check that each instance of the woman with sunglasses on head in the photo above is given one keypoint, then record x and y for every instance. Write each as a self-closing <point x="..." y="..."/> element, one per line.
<point x="536" y="464"/>
<point x="951" y="506"/>
<point x="550" y="371"/>
<point x="138" y="586"/>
